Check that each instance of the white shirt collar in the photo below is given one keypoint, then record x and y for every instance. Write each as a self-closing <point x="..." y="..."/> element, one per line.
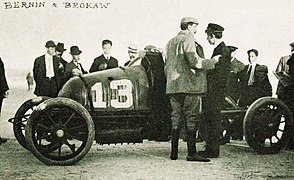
<point x="106" y="56"/>
<point x="252" y="64"/>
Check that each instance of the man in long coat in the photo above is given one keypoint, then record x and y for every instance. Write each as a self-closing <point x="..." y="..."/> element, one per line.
<point x="3" y="90"/>
<point x="48" y="72"/>
<point x="214" y="100"/>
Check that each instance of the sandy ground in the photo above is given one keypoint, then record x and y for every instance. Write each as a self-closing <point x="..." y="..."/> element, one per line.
<point x="149" y="160"/>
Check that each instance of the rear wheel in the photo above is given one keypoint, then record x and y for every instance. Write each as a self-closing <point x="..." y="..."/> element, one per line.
<point x="60" y="131"/>
<point x="267" y="125"/>
<point x="22" y="115"/>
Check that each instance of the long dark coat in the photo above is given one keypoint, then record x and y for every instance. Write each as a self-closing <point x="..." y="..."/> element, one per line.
<point x="3" y="82"/>
<point x="217" y="78"/>
<point x="39" y="72"/>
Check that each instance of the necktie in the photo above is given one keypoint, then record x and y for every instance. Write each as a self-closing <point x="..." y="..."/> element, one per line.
<point x="251" y="76"/>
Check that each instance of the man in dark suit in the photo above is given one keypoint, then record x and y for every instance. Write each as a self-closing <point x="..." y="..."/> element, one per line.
<point x="48" y="72"/>
<point x="233" y="92"/>
<point x="254" y="80"/>
<point x="216" y="88"/>
<point x="3" y="90"/>
<point x="282" y="72"/>
<point x="105" y="61"/>
<point x="3" y="84"/>
<point x="135" y="55"/>
<point x="59" y="52"/>
<point x="233" y="86"/>
<point x="74" y="68"/>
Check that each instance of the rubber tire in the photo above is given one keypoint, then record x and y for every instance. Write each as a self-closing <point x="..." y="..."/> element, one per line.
<point x="249" y="120"/>
<point x="19" y="135"/>
<point x="83" y="112"/>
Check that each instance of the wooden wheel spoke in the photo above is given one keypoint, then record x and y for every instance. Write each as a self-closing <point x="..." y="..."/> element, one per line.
<point x="59" y="151"/>
<point x="51" y="147"/>
<point x="22" y="125"/>
<point x="80" y="137"/>
<point x="70" y="118"/>
<point x="72" y="147"/>
<point x="44" y="127"/>
<point x="50" y="118"/>
<point x="78" y="127"/>
<point x="43" y="136"/>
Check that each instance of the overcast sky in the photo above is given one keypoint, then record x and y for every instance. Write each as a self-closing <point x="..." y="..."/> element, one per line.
<point x="266" y="25"/>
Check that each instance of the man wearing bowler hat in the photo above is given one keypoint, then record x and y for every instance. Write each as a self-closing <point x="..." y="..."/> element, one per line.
<point x="74" y="68"/>
<point x="47" y="72"/>
<point x="59" y="52"/>
<point x="216" y="88"/>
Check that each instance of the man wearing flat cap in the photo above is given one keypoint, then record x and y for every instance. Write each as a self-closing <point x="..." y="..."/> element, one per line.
<point x="186" y="85"/>
<point x="47" y="73"/>
<point x="74" y="68"/>
<point x="213" y="102"/>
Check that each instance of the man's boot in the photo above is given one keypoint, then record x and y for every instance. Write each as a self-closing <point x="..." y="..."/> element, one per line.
<point x="174" y="144"/>
<point x="191" y="146"/>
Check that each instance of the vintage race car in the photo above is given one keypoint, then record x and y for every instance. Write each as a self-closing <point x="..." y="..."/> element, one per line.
<point x="127" y="105"/>
<point x="121" y="105"/>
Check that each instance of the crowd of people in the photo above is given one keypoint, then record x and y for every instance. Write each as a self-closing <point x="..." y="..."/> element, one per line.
<point x="196" y="86"/>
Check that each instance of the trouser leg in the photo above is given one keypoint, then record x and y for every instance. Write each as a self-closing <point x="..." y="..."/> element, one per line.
<point x="176" y="101"/>
<point x="213" y="129"/>
<point x="174" y="144"/>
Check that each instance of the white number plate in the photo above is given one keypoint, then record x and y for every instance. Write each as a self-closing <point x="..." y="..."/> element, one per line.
<point x="120" y="92"/>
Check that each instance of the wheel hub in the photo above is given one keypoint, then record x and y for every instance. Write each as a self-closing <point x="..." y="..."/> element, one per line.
<point x="60" y="133"/>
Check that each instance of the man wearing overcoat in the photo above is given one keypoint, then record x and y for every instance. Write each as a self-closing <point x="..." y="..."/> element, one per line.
<point x="48" y="72"/>
<point x="3" y="90"/>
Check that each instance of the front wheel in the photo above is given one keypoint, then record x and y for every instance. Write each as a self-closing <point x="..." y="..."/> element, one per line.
<point x="267" y="125"/>
<point x="60" y="131"/>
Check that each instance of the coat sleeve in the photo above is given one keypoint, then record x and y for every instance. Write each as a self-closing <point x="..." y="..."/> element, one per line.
<point x="3" y="83"/>
<point x="189" y="51"/>
<point x="36" y="70"/>
<point x="94" y="66"/>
